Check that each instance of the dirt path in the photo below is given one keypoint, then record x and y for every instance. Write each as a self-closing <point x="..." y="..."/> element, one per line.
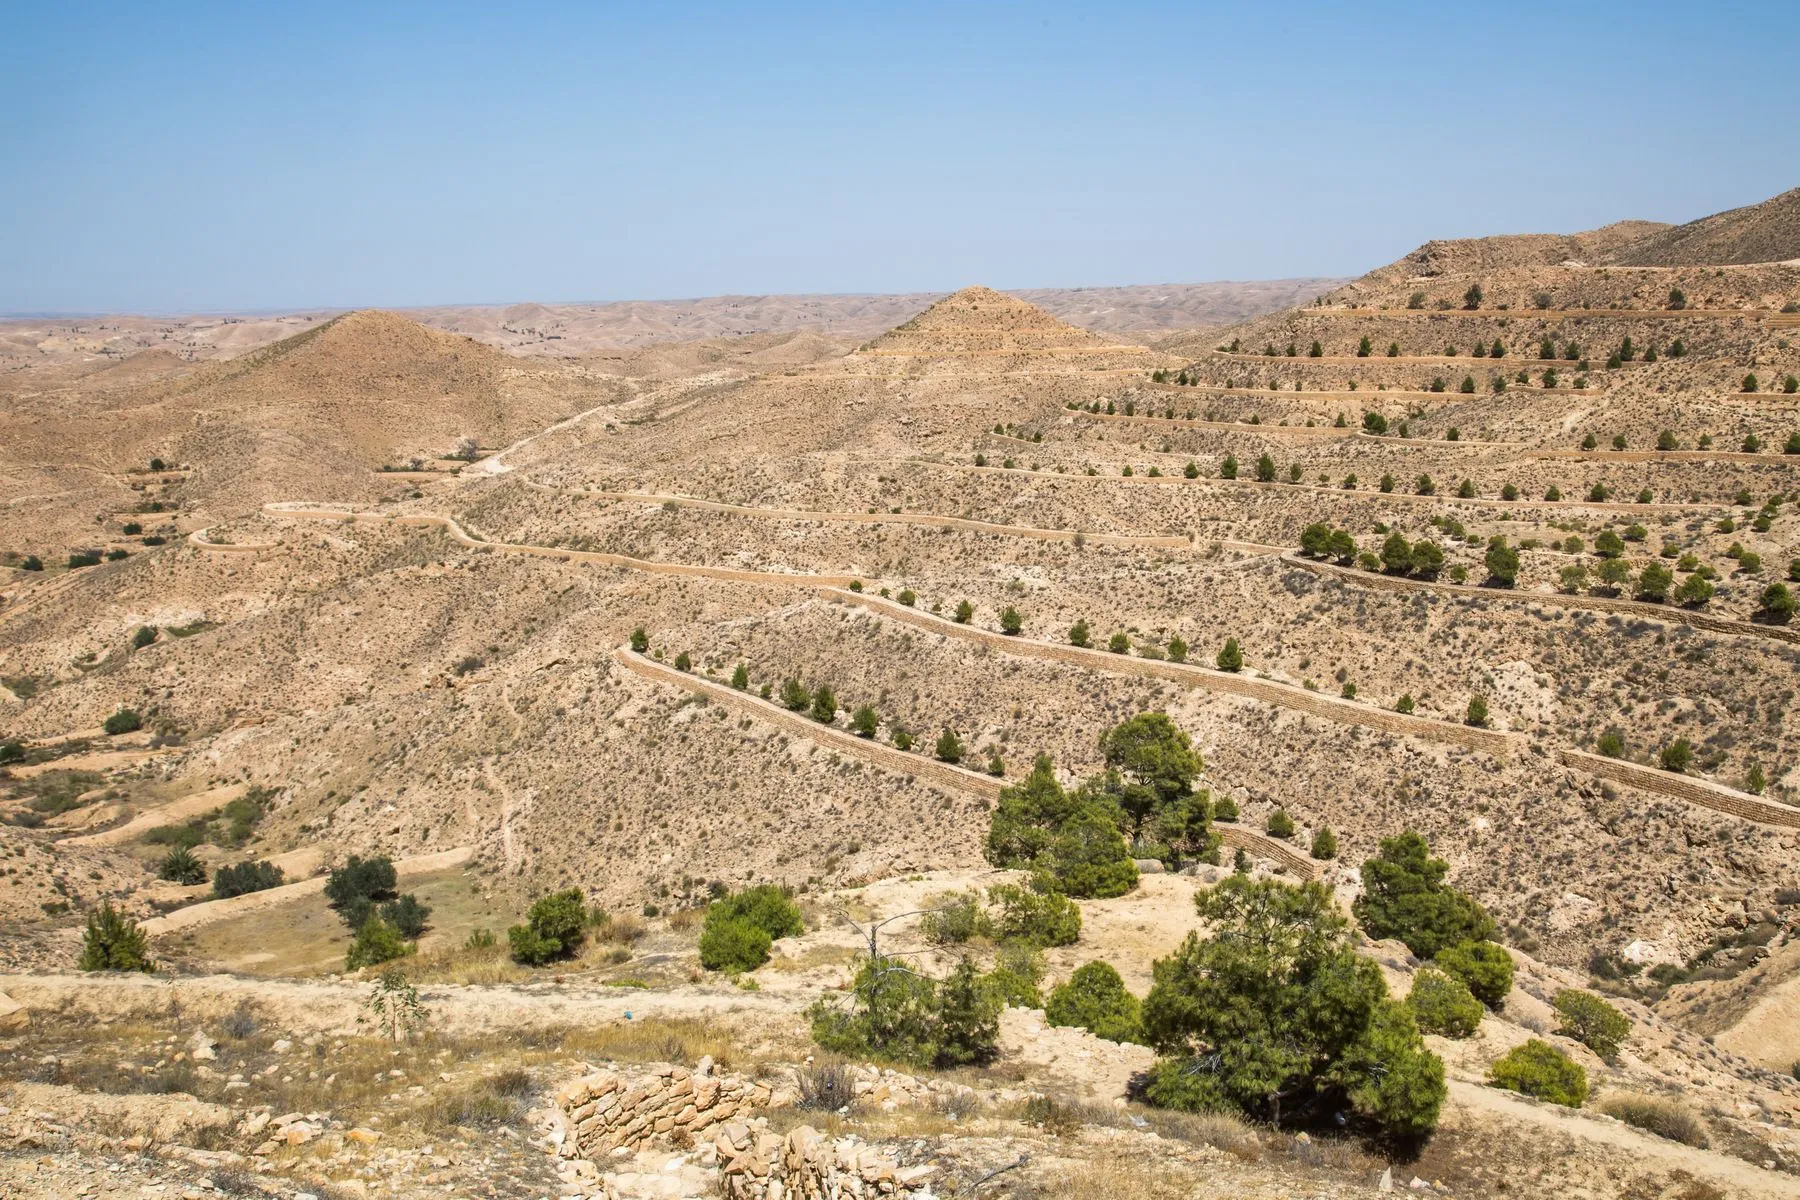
<point x="1740" y="1177"/>
<point x="305" y="512"/>
<point x="198" y="538"/>
<point x="167" y="814"/>
<point x="215" y="910"/>
<point x="1160" y="541"/>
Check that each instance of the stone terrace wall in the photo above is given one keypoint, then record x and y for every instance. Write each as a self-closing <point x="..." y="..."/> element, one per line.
<point x="1684" y="787"/>
<point x="1284" y="695"/>
<point x="1668" y="613"/>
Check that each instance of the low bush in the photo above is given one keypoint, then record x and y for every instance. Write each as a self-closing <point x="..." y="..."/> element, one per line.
<point x="180" y="866"/>
<point x="1592" y="1022"/>
<point x="555" y="927"/>
<point x="1095" y="999"/>
<point x="1442" y="1004"/>
<point x="1541" y="1070"/>
<point x="1034" y="917"/>
<point x="126" y="720"/>
<point x="245" y="877"/>
<point x="740" y="928"/>
<point x="1483" y="967"/>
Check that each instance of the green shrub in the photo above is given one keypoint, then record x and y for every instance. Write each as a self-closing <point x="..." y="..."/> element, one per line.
<point x="741" y="926"/>
<point x="964" y="612"/>
<point x="1483" y="967"/>
<point x="1539" y="1069"/>
<point x="145" y="636"/>
<point x="1095" y="999"/>
<point x="376" y="942"/>
<point x="955" y="918"/>
<point x="824" y="705"/>
<point x="1280" y="824"/>
<point x="640" y="641"/>
<point x="1089" y="858"/>
<point x="864" y="721"/>
<point x="555" y="927"/>
<point x="126" y="720"/>
<point x="1442" y="1004"/>
<point x="1324" y="844"/>
<point x="733" y="945"/>
<point x="1079" y="635"/>
<point x="1017" y="972"/>
<point x="1592" y="1022"/>
<point x="1036" y="918"/>
<point x="246" y="877"/>
<point x="794" y="696"/>
<point x="1010" y="621"/>
<point x="113" y="942"/>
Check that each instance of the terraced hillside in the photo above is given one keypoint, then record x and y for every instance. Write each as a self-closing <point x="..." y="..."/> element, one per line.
<point x="1498" y="544"/>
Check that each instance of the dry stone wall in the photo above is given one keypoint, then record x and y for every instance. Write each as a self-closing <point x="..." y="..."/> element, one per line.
<point x="804" y="1165"/>
<point x="608" y="1112"/>
<point x="1667" y="613"/>
<point x="1233" y="683"/>
<point x="1684" y="787"/>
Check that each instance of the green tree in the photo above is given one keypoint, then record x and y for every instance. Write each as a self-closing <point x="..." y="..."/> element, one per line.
<point x="1265" y="469"/>
<point x="555" y="927"/>
<point x="794" y="696"/>
<point x="1477" y="712"/>
<point x="864" y="721"/>
<point x="1695" y="590"/>
<point x="1028" y="815"/>
<point x="640" y="641"/>
<point x="1443" y="1005"/>
<point x="964" y="611"/>
<point x="824" y="705"/>
<point x="1228" y="469"/>
<point x="1280" y="825"/>
<point x="949" y="747"/>
<point x="1079" y="635"/>
<point x="1592" y="1022"/>
<point x="1152" y="766"/>
<point x="407" y="914"/>
<point x="1324" y="844"/>
<point x="1654" y="582"/>
<point x="1613" y="572"/>
<point x="354" y="889"/>
<point x="740" y="677"/>
<point x="1230" y="658"/>
<point x="1375" y="423"/>
<point x="1315" y="539"/>
<point x="1502" y="562"/>
<point x="1485" y="968"/>
<point x="1677" y="756"/>
<point x="1396" y="554"/>
<point x="1178" y="649"/>
<point x="1088" y="857"/>
<point x="1472" y="298"/>
<point x="1010" y="621"/>
<point x="1539" y="1069"/>
<point x="1276" y="1013"/>
<point x="1405" y="897"/>
<point x="1095" y="999"/>
<point x="112" y="941"/>
<point x="1467" y="387"/>
<point x="1609" y="544"/>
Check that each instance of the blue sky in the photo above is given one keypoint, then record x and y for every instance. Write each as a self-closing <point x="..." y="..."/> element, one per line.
<point x="188" y="157"/>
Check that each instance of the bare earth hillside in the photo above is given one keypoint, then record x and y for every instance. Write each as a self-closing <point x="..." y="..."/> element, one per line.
<point x="526" y="622"/>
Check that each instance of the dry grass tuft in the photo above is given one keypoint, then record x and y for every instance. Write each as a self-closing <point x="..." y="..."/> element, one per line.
<point x="1659" y="1115"/>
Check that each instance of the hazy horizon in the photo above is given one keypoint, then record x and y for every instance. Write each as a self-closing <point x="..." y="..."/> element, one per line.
<point x="215" y="159"/>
